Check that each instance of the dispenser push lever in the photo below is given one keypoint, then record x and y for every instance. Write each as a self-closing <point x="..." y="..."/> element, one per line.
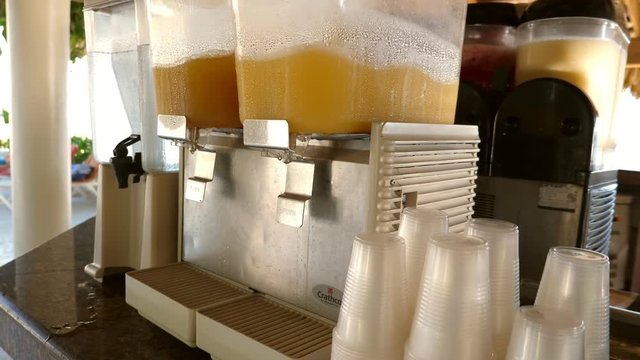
<point x="298" y="190"/>
<point x="196" y="185"/>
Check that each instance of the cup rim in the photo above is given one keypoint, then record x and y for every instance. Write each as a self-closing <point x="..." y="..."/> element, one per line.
<point x="460" y="242"/>
<point x="578" y="256"/>
<point x="489" y="225"/>
<point x="379" y="240"/>
<point x="561" y="323"/>
<point x="424" y="214"/>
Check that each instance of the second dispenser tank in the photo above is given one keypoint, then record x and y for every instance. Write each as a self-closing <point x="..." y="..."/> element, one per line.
<point x="336" y="66"/>
<point x="324" y="66"/>
<point x="193" y="47"/>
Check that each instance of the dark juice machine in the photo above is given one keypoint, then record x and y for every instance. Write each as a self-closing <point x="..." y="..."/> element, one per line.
<point x="546" y="141"/>
<point x="542" y="174"/>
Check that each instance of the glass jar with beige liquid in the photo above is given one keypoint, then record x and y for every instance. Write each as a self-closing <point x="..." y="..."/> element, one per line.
<point x="193" y="55"/>
<point x="590" y="53"/>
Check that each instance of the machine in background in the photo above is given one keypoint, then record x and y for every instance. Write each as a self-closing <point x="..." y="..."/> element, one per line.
<point x="542" y="173"/>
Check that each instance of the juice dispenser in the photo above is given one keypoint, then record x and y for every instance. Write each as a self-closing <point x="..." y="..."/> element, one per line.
<point x="158" y="156"/>
<point x="590" y="53"/>
<point x="489" y="48"/>
<point x="346" y="110"/>
<point x="487" y="71"/>
<point x="136" y="222"/>
<point x="193" y="45"/>
<point x="113" y="74"/>
<point x="338" y="66"/>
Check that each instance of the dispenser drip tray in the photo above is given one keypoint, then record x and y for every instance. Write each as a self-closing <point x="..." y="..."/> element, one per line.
<point x="169" y="296"/>
<point x="258" y="327"/>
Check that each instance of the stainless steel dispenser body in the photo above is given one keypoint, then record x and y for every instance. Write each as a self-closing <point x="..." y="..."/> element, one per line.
<point x="282" y="221"/>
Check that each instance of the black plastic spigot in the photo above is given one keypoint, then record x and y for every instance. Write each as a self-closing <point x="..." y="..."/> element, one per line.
<point x="125" y="165"/>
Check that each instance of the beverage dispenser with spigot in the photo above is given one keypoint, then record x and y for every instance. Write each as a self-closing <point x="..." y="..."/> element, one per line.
<point x="343" y="117"/>
<point x="113" y="93"/>
<point x="192" y="47"/>
<point x="136" y="217"/>
<point x="338" y="66"/>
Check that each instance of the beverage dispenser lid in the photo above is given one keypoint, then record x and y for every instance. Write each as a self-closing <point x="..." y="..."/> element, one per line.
<point x="544" y="9"/>
<point x="492" y="14"/>
<point x="100" y="4"/>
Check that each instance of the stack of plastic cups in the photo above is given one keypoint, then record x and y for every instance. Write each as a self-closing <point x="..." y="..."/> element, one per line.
<point x="373" y="321"/>
<point x="417" y="225"/>
<point x="452" y="316"/>
<point x="504" y="276"/>
<point x="576" y="281"/>
<point x="545" y="334"/>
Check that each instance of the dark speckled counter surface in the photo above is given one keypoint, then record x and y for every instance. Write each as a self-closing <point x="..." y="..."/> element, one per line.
<point x="49" y="309"/>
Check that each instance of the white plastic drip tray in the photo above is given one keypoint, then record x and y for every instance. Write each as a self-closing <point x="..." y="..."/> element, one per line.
<point x="258" y="327"/>
<point x="169" y="296"/>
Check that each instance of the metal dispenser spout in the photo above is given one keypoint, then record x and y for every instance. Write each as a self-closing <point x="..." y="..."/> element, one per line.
<point x="125" y="165"/>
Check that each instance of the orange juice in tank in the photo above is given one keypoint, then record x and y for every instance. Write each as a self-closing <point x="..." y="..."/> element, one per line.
<point x="202" y="89"/>
<point x="341" y="80"/>
<point x="193" y="56"/>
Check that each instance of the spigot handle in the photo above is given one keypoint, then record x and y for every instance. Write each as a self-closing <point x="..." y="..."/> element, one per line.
<point x="121" y="149"/>
<point x="125" y="165"/>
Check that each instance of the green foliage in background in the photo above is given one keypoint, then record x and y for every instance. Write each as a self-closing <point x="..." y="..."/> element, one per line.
<point x="77" y="40"/>
<point x="85" y="148"/>
<point x="77" y="43"/>
<point x="4" y="144"/>
<point x="3" y="18"/>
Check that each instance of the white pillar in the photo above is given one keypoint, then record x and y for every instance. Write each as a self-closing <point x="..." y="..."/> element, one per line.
<point x="38" y="32"/>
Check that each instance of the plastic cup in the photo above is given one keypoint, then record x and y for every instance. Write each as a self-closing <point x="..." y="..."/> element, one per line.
<point x="417" y="225"/>
<point x="576" y="281"/>
<point x="545" y="334"/>
<point x="451" y="320"/>
<point x="373" y="322"/>
<point x="502" y="237"/>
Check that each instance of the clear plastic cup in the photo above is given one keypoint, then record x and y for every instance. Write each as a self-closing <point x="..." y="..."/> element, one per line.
<point x="504" y="276"/>
<point x="373" y="320"/>
<point x="452" y="315"/>
<point x="417" y="225"/>
<point x="545" y="334"/>
<point x="576" y="281"/>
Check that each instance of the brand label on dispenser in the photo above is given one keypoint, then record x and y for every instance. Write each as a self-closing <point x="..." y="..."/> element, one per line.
<point x="328" y="295"/>
<point x="556" y="196"/>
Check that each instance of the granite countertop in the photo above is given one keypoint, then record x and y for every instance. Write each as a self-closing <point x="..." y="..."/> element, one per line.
<point x="50" y="309"/>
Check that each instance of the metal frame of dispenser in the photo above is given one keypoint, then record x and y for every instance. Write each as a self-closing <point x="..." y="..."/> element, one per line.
<point x="275" y="213"/>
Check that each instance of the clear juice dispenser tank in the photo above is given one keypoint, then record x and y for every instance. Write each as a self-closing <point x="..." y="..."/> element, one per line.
<point x="335" y="66"/>
<point x="113" y="74"/>
<point x="158" y="155"/>
<point x="192" y="47"/>
<point x="590" y="53"/>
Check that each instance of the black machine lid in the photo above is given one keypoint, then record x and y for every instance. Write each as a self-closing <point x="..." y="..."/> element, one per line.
<point x="492" y="14"/>
<point x="544" y="130"/>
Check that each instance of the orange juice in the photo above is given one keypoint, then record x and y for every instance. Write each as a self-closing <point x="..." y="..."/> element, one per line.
<point x="321" y="91"/>
<point x="406" y="94"/>
<point x="203" y="89"/>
